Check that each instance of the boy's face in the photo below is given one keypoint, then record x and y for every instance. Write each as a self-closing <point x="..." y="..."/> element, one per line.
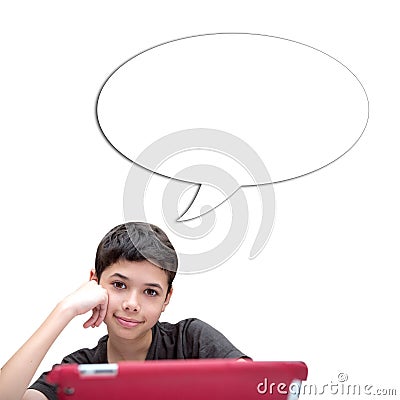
<point x="137" y="295"/>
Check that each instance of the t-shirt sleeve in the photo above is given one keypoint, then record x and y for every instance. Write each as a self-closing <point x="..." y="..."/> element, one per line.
<point x="48" y="389"/>
<point x="41" y="385"/>
<point x="204" y="341"/>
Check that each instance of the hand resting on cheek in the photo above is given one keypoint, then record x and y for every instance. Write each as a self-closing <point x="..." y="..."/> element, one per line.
<point x="90" y="296"/>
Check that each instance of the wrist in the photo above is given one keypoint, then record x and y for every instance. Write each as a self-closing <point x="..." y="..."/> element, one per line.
<point x="65" y="310"/>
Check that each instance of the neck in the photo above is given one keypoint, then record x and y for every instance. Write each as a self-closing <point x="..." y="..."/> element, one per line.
<point x="128" y="350"/>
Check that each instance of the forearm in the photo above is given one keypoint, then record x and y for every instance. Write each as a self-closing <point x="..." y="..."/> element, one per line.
<point x="18" y="372"/>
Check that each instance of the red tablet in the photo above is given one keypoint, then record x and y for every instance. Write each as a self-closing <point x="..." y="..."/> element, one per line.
<point x="180" y="379"/>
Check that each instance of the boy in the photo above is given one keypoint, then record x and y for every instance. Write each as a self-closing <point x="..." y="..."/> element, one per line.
<point x="129" y="288"/>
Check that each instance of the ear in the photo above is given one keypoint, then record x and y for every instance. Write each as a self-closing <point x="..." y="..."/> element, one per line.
<point x="167" y="299"/>
<point x="93" y="276"/>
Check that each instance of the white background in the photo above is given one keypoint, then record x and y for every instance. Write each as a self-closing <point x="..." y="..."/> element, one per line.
<point x="323" y="291"/>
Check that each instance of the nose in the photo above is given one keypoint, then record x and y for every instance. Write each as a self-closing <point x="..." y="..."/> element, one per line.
<point x="131" y="302"/>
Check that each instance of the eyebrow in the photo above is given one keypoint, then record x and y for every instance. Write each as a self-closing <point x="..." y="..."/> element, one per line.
<point x="154" y="285"/>
<point x="118" y="275"/>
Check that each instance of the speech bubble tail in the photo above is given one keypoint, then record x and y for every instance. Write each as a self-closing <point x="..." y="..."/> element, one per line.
<point x="205" y="200"/>
<point x="195" y="190"/>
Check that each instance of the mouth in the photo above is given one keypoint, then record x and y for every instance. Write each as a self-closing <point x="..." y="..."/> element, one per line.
<point x="127" y="322"/>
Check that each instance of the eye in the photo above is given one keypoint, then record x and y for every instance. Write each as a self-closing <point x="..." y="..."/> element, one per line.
<point x="119" y="285"/>
<point x="151" y="292"/>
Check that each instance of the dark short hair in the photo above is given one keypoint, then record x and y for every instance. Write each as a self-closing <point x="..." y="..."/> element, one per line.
<point x="137" y="241"/>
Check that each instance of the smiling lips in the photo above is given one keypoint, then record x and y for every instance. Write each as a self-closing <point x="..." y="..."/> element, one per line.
<point x="127" y="323"/>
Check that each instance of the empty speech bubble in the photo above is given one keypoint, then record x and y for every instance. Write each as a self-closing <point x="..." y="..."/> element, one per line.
<point x="263" y="109"/>
<point x="297" y="107"/>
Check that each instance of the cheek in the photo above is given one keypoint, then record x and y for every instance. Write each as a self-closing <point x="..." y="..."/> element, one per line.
<point x="153" y="307"/>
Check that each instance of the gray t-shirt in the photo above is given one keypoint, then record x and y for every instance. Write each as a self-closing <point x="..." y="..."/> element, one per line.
<point x="190" y="338"/>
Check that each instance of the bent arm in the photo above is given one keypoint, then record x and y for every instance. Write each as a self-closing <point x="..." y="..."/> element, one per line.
<point x="17" y="373"/>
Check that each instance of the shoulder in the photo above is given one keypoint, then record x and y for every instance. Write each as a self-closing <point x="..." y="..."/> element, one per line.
<point x="183" y="326"/>
<point x="190" y="329"/>
<point x="190" y="338"/>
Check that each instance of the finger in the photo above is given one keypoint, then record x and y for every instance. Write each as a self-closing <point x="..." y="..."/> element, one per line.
<point x="102" y="312"/>
<point x="92" y="319"/>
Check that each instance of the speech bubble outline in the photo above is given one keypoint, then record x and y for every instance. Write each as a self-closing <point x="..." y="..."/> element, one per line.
<point x="240" y="34"/>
